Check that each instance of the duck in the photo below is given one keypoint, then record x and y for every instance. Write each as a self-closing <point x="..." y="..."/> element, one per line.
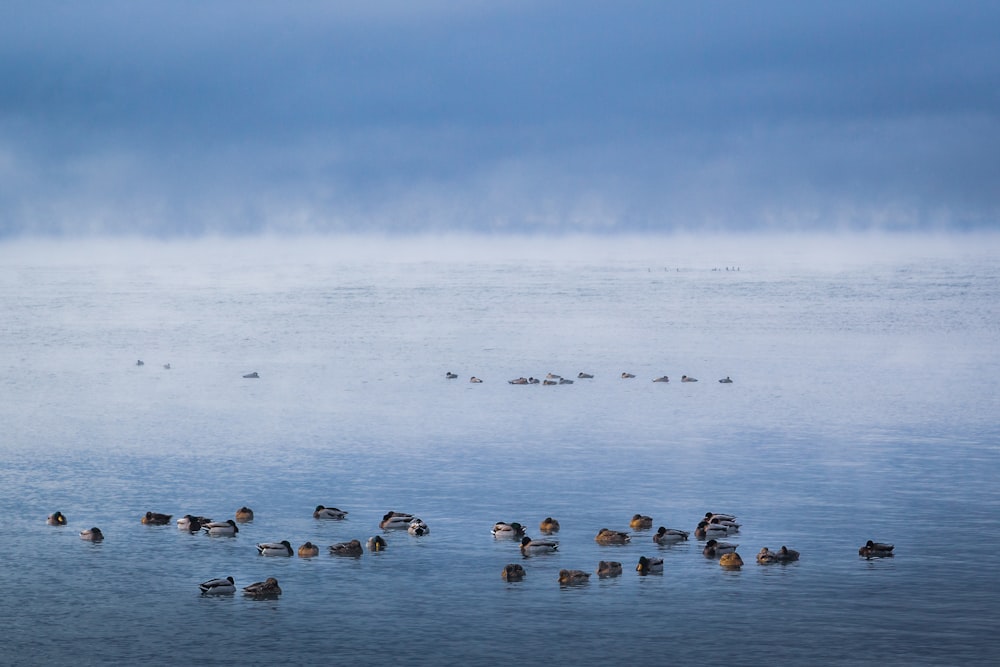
<point x="532" y="380"/>
<point x="244" y="514"/>
<point x="549" y="525"/>
<point x="140" y="362"/>
<point x="263" y="589"/>
<point x="282" y="548"/>
<point x="512" y="572"/>
<point x="585" y="376"/>
<point x="56" y="519"/>
<point x="707" y="530"/>
<point x="530" y="546"/>
<point x="766" y="557"/>
<point x="155" y="519"/>
<point x="731" y="561"/>
<point x="395" y="521"/>
<point x="352" y="548"/>
<point x="730" y="526"/>
<point x="251" y="376"/>
<point x="565" y="381"/>
<point x="569" y="577"/>
<point x="553" y="376"/>
<point x="608" y="536"/>
<point x="640" y="521"/>
<point x="714" y="548"/>
<point x="376" y="543"/>
<point x="520" y="380"/>
<point x="92" y="534"/>
<point x="872" y="549"/>
<point x="474" y="380"/>
<point x="669" y="535"/>
<point x="609" y="568"/>
<point x="227" y="527"/>
<point x="450" y="376"/>
<point x="626" y="376"/>
<point x="191" y="523"/>
<point x="308" y="550"/>
<point x="549" y="383"/>
<point x="322" y="512"/>
<point x="786" y="555"/>
<point x="688" y="378"/>
<point x="718" y="515"/>
<point x="726" y="380"/>
<point x="222" y="586"/>
<point x="662" y="378"/>
<point x="166" y="366"/>
<point x="649" y="565"/>
<point x="418" y="528"/>
<point x="502" y="530"/>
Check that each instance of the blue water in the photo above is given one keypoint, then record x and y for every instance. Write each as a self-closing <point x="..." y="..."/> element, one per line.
<point x="863" y="406"/>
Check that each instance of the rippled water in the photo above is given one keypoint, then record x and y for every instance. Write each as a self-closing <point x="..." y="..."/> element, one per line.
<point x="863" y="406"/>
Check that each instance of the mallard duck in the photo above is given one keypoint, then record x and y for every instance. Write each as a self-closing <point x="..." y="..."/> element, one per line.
<point x="873" y="549"/>
<point x="308" y="550"/>
<point x="730" y="525"/>
<point x="553" y="376"/>
<point x="395" y="521"/>
<point x="512" y="572"/>
<point x="191" y="523"/>
<point x="530" y="546"/>
<point x="251" y="376"/>
<point x="502" y="530"/>
<point x="662" y="378"/>
<point x="707" y="530"/>
<point x="731" y="561"/>
<point x="56" y="519"/>
<point x="609" y="568"/>
<point x="640" y="522"/>
<point x="608" y="536"/>
<point x="565" y="381"/>
<point x="766" y="557"/>
<point x="282" y="548"/>
<point x="154" y="519"/>
<point x="549" y="383"/>
<point x="263" y="589"/>
<point x="474" y="380"/>
<point x="140" y="362"/>
<point x="688" y="378"/>
<point x="532" y="380"/>
<point x="786" y="555"/>
<point x="352" y="548"/>
<point x="218" y="586"/>
<point x="418" y="528"/>
<point x="726" y="380"/>
<point x="714" y="548"/>
<point x="322" y="512"/>
<point x="669" y="535"/>
<point x="649" y="565"/>
<point x="450" y="376"/>
<point x="585" y="376"/>
<point x="227" y="527"/>
<point x="520" y="380"/>
<point x="92" y="534"/>
<point x="717" y="515"/>
<point x="244" y="514"/>
<point x="376" y="543"/>
<point x="573" y="577"/>
<point x="626" y="376"/>
<point x="549" y="525"/>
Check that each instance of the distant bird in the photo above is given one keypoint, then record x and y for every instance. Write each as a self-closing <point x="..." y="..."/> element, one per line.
<point x="218" y="586"/>
<point x="56" y="519"/>
<point x="662" y="378"/>
<point x="669" y="535"/>
<point x="639" y="521"/>
<point x="687" y="378"/>
<point x="876" y="550"/>
<point x="786" y="555"/>
<point x="308" y="550"/>
<point x="565" y="381"/>
<point x="549" y="383"/>
<point x="395" y="521"/>
<point x="227" y="527"/>
<point x="520" y="380"/>
<point x="192" y="524"/>
<point x="92" y="534"/>
<point x="714" y="548"/>
<point x="282" y="548"/>
<point x="766" y="557"/>
<point x="532" y="380"/>
<point x="322" y="512"/>
<point x="649" y="565"/>
<point x="553" y="376"/>
<point x="625" y="376"/>
<point x="569" y="577"/>
<point x="474" y="380"/>
<point x="450" y="376"/>
<point x="376" y="543"/>
<point x="418" y="528"/>
<point x="585" y="376"/>
<point x="726" y="380"/>
<point x="244" y="514"/>
<point x="530" y="547"/>
<point x="511" y="531"/>
<point x="512" y="572"/>
<point x="252" y="376"/>
<point x="608" y="536"/>
<point x="609" y="568"/>
<point x="140" y="362"/>
<point x="263" y="589"/>
<point x="731" y="561"/>
<point x="549" y="525"/>
<point x="352" y="548"/>
<point x="154" y="519"/>
<point x="167" y="366"/>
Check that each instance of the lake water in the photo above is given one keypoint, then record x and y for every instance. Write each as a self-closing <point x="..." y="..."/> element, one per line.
<point x="863" y="406"/>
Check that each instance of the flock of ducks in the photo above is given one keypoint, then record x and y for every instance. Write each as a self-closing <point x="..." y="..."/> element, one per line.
<point x="553" y="379"/>
<point x="711" y="528"/>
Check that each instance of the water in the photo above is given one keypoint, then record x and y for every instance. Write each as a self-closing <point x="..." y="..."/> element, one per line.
<point x="863" y="406"/>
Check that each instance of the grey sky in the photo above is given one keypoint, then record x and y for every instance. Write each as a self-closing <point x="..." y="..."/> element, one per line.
<point x="183" y="118"/>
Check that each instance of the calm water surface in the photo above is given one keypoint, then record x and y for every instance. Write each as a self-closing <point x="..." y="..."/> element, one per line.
<point x="863" y="406"/>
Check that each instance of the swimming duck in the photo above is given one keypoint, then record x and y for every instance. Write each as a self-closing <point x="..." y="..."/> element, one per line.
<point x="191" y="523"/>
<point x="511" y="531"/>
<point x="154" y="519"/>
<point x="92" y="534"/>
<point x="227" y="527"/>
<point x="639" y="522"/>
<point x="532" y="380"/>
<point x="282" y="548"/>
<point x="726" y="380"/>
<point x="662" y="378"/>
<point x="450" y="376"/>
<point x="608" y="536"/>
<point x="244" y="514"/>
<point x="553" y="376"/>
<point x="730" y="526"/>
<point x="218" y="586"/>
<point x="565" y="381"/>
<point x="549" y="525"/>
<point x="376" y="543"/>
<point x="352" y="548"/>
<point x="649" y="565"/>
<point x="418" y="528"/>
<point x="512" y="572"/>
<point x="251" y="376"/>
<point x="549" y="382"/>
<point x="263" y="589"/>
<point x="626" y="376"/>
<point x="520" y="380"/>
<point x="873" y="549"/>
<point x="731" y="561"/>
<point x="140" y="362"/>
<point x="584" y="376"/>
<point x="166" y="366"/>
<point x="328" y="513"/>
<point x="474" y="380"/>
<point x="569" y="577"/>
<point x="687" y="378"/>
<point x="609" y="568"/>
<point x="56" y="519"/>
<point x="714" y="548"/>
<point x="308" y="550"/>
<point x="669" y="535"/>
<point x="706" y="530"/>
<point x="766" y="557"/>
<point x="717" y="515"/>
<point x="395" y="521"/>
<point x="786" y="555"/>
<point x="530" y="546"/>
